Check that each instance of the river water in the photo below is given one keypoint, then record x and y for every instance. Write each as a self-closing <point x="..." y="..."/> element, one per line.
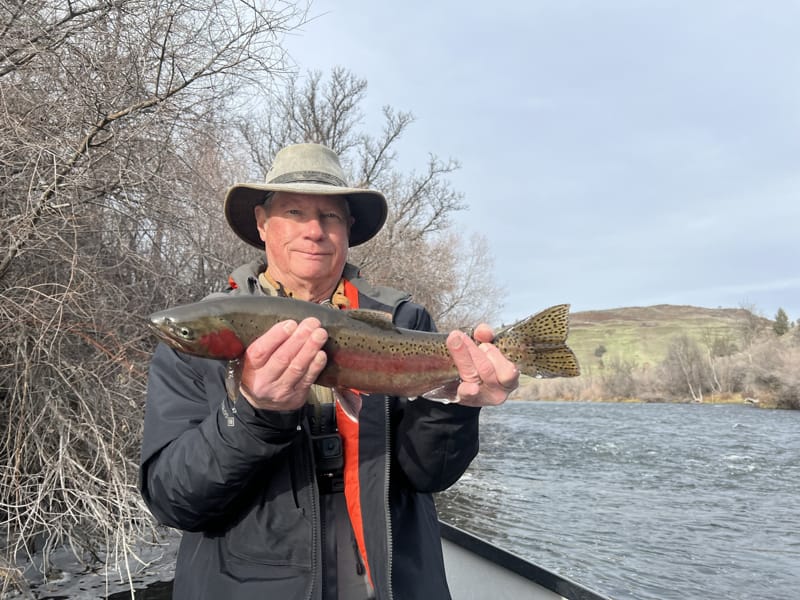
<point x="641" y="501"/>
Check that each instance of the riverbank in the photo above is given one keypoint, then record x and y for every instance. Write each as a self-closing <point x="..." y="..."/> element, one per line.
<point x="529" y="392"/>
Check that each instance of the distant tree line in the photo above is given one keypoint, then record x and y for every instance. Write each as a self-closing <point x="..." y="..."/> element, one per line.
<point x="121" y="126"/>
<point x="757" y="364"/>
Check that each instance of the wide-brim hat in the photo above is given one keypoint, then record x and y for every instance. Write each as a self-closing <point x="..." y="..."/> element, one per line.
<point x="305" y="169"/>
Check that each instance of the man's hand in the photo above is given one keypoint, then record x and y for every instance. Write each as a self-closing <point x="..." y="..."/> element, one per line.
<point x="279" y="367"/>
<point x="487" y="377"/>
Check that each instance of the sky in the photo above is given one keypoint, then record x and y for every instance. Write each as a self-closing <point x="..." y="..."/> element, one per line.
<point x="614" y="153"/>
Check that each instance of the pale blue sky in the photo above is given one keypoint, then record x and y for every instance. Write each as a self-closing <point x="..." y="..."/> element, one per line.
<point x="615" y="153"/>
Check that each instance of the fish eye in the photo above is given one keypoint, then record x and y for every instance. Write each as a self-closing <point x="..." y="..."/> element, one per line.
<point x="184" y="332"/>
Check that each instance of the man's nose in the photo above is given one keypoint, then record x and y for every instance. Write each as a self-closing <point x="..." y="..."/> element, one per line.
<point x="313" y="228"/>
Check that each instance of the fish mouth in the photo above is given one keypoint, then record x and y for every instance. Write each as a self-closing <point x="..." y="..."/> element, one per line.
<point x="162" y="330"/>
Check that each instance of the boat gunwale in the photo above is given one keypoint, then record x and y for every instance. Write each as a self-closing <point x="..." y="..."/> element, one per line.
<point x="554" y="582"/>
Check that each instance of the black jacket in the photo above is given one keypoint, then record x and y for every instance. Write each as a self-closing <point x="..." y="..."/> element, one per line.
<point x="240" y="482"/>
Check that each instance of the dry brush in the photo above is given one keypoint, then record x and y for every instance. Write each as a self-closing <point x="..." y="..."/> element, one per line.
<point x="103" y="106"/>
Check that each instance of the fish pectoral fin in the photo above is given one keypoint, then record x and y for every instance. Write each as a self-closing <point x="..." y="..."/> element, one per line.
<point x="376" y="318"/>
<point x="350" y="401"/>
<point x="233" y="378"/>
<point x="445" y="394"/>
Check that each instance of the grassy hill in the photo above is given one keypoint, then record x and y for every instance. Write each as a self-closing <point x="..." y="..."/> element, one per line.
<point x="642" y="335"/>
<point x="732" y="355"/>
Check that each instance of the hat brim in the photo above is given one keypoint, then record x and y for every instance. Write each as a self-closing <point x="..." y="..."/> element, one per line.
<point x="367" y="207"/>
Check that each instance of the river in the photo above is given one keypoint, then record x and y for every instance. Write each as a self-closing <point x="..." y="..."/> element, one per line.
<point x="641" y="501"/>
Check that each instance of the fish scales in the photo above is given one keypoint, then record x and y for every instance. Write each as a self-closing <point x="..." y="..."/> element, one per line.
<point x="412" y="368"/>
<point x="366" y="352"/>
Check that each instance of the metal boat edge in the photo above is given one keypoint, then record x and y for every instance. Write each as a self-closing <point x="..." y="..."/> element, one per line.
<point x="477" y="569"/>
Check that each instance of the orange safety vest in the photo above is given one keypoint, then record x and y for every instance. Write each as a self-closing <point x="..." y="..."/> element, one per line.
<point x="348" y="429"/>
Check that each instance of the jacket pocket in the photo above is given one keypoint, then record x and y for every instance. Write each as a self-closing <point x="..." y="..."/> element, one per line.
<point x="273" y="530"/>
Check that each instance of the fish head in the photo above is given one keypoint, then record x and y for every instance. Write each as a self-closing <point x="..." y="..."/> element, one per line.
<point x="207" y="336"/>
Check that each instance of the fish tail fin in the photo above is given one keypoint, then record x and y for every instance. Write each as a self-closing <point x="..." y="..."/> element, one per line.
<point x="538" y="344"/>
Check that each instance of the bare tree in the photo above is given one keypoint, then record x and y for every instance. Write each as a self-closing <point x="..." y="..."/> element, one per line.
<point x="110" y="121"/>
<point x="752" y="325"/>
<point x="686" y="367"/>
<point x="619" y="380"/>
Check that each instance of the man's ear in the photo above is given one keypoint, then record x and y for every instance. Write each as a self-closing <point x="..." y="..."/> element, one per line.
<point x="260" y="214"/>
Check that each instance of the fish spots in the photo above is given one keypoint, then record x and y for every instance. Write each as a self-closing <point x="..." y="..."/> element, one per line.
<point x="550" y="325"/>
<point x="399" y="343"/>
<point x="556" y="363"/>
<point x="392" y="363"/>
<point x="537" y="345"/>
<point x="548" y="328"/>
<point x="222" y="343"/>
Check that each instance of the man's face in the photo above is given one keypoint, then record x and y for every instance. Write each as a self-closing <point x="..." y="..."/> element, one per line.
<point x="306" y="237"/>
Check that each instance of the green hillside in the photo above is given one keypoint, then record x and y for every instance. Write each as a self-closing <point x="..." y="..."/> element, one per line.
<point x="643" y="334"/>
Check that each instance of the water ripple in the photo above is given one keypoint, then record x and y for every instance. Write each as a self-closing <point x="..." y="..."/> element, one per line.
<point x="645" y="502"/>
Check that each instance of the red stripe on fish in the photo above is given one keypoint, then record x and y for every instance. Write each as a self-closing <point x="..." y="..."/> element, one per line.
<point x="222" y="343"/>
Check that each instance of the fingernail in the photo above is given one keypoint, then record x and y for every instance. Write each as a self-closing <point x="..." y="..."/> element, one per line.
<point x="289" y="326"/>
<point x="456" y="342"/>
<point x="319" y="335"/>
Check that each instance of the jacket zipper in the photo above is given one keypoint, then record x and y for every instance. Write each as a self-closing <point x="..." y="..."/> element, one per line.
<point x="387" y="510"/>
<point x="316" y="519"/>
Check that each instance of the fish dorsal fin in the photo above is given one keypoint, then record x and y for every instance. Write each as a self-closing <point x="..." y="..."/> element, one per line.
<point x="376" y="318"/>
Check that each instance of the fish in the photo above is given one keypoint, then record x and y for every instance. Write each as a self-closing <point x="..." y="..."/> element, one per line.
<point x="365" y="351"/>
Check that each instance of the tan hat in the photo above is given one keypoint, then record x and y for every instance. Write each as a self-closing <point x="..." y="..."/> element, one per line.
<point x="305" y="169"/>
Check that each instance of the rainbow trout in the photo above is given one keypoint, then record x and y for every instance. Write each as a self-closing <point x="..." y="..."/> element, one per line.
<point x="366" y="352"/>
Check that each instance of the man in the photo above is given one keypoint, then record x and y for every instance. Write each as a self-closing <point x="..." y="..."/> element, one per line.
<point x="280" y="495"/>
